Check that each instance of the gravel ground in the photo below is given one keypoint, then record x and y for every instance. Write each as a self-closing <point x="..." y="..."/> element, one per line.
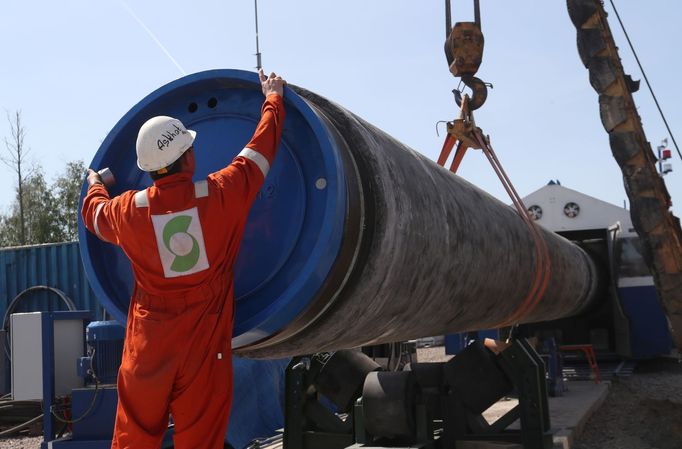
<point x="432" y="354"/>
<point x="21" y="443"/>
<point x="641" y="412"/>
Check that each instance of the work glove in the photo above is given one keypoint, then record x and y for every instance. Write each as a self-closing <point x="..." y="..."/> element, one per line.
<point x="93" y="178"/>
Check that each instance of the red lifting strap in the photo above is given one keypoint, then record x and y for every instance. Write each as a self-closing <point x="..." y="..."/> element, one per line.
<point x="543" y="271"/>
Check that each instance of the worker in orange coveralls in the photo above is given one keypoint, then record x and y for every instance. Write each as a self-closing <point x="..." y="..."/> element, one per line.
<point x="182" y="239"/>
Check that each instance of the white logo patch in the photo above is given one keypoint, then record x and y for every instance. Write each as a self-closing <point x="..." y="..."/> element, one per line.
<point x="180" y="242"/>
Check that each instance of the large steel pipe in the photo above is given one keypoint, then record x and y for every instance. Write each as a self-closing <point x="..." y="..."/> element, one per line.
<point x="356" y="238"/>
<point x="436" y="254"/>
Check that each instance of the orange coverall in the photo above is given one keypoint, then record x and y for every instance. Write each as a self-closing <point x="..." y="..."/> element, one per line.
<point x="182" y="239"/>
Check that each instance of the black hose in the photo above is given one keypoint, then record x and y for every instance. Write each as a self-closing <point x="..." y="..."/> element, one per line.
<point x="54" y="411"/>
<point x="13" y="305"/>
<point x="15" y="429"/>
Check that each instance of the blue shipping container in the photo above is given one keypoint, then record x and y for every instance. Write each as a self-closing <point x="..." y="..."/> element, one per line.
<point x="55" y="265"/>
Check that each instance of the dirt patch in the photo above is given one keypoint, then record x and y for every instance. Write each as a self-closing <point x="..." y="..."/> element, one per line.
<point x="641" y="412"/>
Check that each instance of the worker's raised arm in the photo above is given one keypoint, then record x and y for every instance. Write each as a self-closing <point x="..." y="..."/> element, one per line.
<point x="244" y="176"/>
<point x="96" y="211"/>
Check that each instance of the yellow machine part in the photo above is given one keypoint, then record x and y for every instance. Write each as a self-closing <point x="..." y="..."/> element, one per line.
<point x="464" y="49"/>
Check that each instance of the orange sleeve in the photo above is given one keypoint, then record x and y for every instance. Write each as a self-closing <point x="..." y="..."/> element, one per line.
<point x="98" y="213"/>
<point x="241" y="180"/>
<point x="269" y="130"/>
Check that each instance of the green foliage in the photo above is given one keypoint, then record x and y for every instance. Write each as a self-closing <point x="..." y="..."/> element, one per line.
<point x="40" y="213"/>
<point x="50" y="211"/>
<point x="67" y="189"/>
<point x="9" y="230"/>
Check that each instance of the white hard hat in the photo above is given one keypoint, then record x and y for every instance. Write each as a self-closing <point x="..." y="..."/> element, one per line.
<point x="161" y="141"/>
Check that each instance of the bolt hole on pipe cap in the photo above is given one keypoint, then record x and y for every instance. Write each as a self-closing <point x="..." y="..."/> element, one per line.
<point x="294" y="229"/>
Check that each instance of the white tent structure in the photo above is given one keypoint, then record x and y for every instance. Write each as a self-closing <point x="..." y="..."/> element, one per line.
<point x="559" y="208"/>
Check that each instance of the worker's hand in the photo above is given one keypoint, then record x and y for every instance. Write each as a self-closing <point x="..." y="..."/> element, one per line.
<point x="93" y="177"/>
<point x="273" y="84"/>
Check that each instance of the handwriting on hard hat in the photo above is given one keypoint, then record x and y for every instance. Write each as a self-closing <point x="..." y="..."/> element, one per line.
<point x="169" y="136"/>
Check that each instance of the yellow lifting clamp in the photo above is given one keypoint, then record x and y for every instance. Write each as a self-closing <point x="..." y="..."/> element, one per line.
<point x="463" y="132"/>
<point x="464" y="125"/>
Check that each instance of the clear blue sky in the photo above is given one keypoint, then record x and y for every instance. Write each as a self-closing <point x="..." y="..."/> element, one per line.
<point x="75" y="67"/>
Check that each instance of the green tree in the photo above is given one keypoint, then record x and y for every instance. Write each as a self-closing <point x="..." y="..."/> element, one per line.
<point x="67" y="189"/>
<point x="40" y="213"/>
<point x="15" y="158"/>
<point x="41" y="220"/>
<point x="43" y="224"/>
<point x="9" y="230"/>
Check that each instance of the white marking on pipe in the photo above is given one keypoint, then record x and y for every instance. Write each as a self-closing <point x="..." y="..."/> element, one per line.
<point x="636" y="281"/>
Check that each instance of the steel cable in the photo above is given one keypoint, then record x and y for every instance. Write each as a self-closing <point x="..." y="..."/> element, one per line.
<point x="646" y="79"/>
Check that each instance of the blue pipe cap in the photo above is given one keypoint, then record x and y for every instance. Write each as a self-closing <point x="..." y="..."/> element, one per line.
<point x="293" y="234"/>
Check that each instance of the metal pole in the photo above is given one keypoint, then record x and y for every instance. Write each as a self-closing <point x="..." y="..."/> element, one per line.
<point x="258" y="54"/>
<point x="448" y="19"/>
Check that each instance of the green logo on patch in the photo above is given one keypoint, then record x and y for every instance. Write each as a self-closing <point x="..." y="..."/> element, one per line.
<point x="181" y="243"/>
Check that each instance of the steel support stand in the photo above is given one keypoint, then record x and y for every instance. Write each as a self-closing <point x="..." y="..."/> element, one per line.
<point x="308" y="424"/>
